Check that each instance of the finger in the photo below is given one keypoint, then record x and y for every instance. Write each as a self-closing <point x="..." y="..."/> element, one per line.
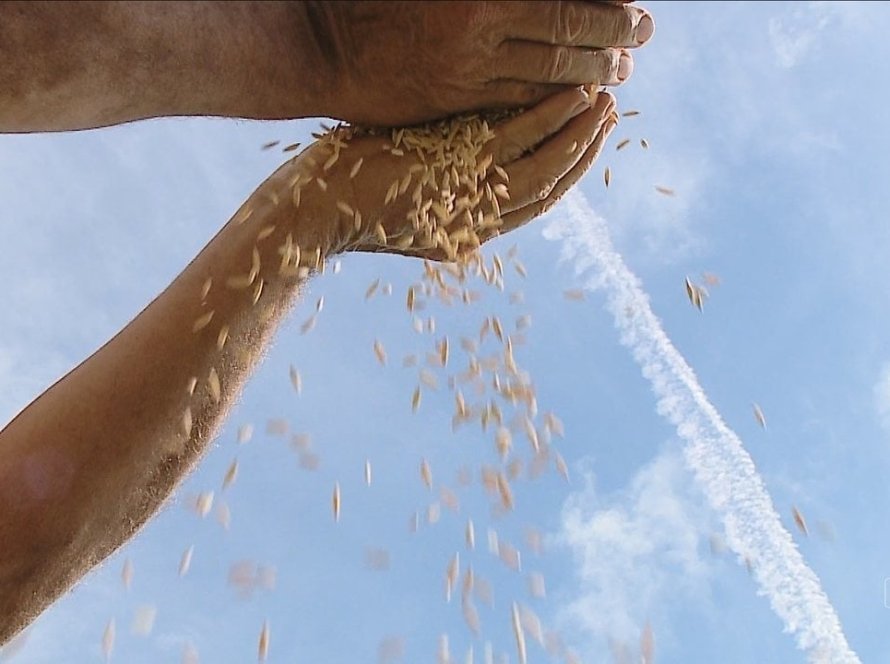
<point x="516" y="136"/>
<point x="534" y="176"/>
<point x="544" y="63"/>
<point x="576" y="23"/>
<point x="522" y="216"/>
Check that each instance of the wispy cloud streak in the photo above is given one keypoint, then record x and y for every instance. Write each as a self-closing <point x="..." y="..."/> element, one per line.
<point x="712" y="450"/>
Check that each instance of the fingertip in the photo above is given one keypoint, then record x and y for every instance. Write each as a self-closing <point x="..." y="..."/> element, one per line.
<point x="603" y="103"/>
<point x="625" y="66"/>
<point x="645" y="28"/>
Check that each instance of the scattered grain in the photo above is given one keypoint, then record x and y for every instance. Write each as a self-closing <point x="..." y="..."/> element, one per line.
<point x="185" y="562"/>
<point x="231" y="475"/>
<point x="336" y="502"/>
<point x="108" y="640"/>
<point x="263" y="645"/>
<point x="202" y="321"/>
<point x="245" y="433"/>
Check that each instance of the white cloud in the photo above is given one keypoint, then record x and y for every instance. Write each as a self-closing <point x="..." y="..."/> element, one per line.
<point x="723" y="468"/>
<point x="882" y="397"/>
<point x="793" y="36"/>
<point x="633" y="550"/>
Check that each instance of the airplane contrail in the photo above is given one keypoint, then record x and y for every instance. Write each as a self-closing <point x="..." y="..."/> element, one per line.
<point x="715" y="454"/>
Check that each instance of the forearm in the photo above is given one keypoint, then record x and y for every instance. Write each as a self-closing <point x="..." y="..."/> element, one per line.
<point x="77" y="65"/>
<point x="86" y="464"/>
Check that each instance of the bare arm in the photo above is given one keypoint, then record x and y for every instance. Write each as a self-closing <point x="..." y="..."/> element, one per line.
<point x="87" y="463"/>
<point x="77" y="65"/>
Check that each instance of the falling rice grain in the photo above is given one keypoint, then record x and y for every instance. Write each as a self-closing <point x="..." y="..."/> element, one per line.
<point x="269" y="145"/>
<point x="622" y="144"/>
<point x="561" y="466"/>
<point x="308" y="325"/>
<point x="190" y="654"/>
<point x="380" y="352"/>
<point x="536" y="586"/>
<point x="245" y="433"/>
<point x="108" y="640"/>
<point x="426" y="474"/>
<point x="629" y="114"/>
<point x="574" y="294"/>
<point x="415" y="400"/>
<point x="667" y="191"/>
<point x="647" y="645"/>
<point x="519" y="634"/>
<point x="231" y="475"/>
<point x="202" y="321"/>
<point x="203" y="503"/>
<point x="607" y="176"/>
<point x="367" y="472"/>
<point x="222" y="337"/>
<point x="127" y="574"/>
<point x="644" y="144"/>
<point x="503" y="441"/>
<point x="205" y="289"/>
<point x="277" y="426"/>
<point x="428" y="379"/>
<point x="213" y="384"/>
<point x="144" y="620"/>
<point x="452" y="572"/>
<point x="470" y="535"/>
<point x="295" y="380"/>
<point x="372" y="289"/>
<point x="471" y="616"/>
<point x="193" y="383"/>
<point x="345" y="208"/>
<point x="335" y="502"/>
<point x="185" y="562"/>
<point x="263" y="645"/>
<point x="265" y="232"/>
<point x="356" y="167"/>
<point x="187" y="422"/>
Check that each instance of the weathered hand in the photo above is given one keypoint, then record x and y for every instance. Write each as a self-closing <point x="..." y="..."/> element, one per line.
<point x="400" y="63"/>
<point x="439" y="192"/>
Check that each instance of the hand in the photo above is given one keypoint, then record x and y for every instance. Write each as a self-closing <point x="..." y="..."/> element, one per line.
<point x="400" y="63"/>
<point x="373" y="196"/>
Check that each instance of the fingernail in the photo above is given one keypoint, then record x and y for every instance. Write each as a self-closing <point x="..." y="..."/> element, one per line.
<point x="625" y="66"/>
<point x="645" y="28"/>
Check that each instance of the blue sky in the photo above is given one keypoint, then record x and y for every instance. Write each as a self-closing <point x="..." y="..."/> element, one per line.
<point x="766" y="120"/>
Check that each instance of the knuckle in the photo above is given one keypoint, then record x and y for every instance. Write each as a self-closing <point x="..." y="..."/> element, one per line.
<point x="572" y="23"/>
<point x="560" y="62"/>
<point x="620" y="27"/>
<point x="607" y="64"/>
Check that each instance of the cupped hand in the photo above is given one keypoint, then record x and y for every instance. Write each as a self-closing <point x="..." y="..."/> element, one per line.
<point x="400" y="63"/>
<point x="438" y="193"/>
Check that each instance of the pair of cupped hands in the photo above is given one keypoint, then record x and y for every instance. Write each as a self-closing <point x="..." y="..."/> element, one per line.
<point x="396" y="64"/>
